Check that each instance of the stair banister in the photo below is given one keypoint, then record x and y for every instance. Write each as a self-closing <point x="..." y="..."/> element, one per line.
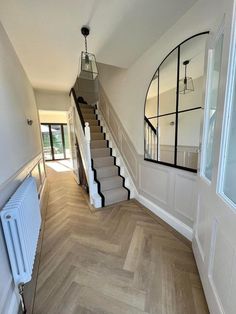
<point x="77" y="106"/>
<point x="150" y="140"/>
<point x="90" y="171"/>
<point x="82" y="131"/>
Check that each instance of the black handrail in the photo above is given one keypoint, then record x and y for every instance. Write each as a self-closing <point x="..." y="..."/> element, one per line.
<point x="72" y="91"/>
<point x="150" y="125"/>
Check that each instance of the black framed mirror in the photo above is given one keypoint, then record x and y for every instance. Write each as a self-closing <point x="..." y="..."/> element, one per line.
<point x="174" y="106"/>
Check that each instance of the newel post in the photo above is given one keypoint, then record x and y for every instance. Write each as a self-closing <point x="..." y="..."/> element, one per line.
<point x="88" y="151"/>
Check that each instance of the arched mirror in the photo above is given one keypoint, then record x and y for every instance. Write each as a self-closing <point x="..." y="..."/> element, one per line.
<point x="174" y="106"/>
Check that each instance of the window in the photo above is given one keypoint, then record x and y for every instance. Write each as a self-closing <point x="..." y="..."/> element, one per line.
<point x="55" y="141"/>
<point x="173" y="107"/>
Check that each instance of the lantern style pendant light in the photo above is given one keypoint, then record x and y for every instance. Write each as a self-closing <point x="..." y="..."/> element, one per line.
<point x="88" y="61"/>
<point x="186" y="83"/>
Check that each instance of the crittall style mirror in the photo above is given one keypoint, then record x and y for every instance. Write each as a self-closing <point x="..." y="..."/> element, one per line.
<point x="174" y="106"/>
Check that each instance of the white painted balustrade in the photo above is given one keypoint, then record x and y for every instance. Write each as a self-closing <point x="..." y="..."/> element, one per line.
<point x="84" y="137"/>
<point x="150" y="143"/>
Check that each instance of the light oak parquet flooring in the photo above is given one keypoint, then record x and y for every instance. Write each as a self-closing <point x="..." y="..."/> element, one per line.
<point x="112" y="261"/>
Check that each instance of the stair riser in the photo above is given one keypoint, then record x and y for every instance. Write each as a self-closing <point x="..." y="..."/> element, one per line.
<point x="103" y="162"/>
<point x="116" y="183"/>
<point x="95" y="129"/>
<point x="92" y="122"/>
<point x="104" y="152"/>
<point x="97" y="136"/>
<point x="109" y="172"/>
<point x="86" y="111"/>
<point x="98" y="144"/>
<point x="89" y="117"/>
<point x="119" y="198"/>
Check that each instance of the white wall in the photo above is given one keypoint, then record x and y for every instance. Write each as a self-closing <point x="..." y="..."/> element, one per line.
<point x="19" y="144"/>
<point x="52" y="100"/>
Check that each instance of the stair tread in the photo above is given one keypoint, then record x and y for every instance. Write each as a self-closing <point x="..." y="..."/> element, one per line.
<point x="100" y="158"/>
<point x="108" y="179"/>
<point x="115" y="195"/>
<point x="100" y="152"/>
<point x="106" y="171"/>
<point x="100" y="149"/>
<point x="91" y="116"/>
<point x="98" y="140"/>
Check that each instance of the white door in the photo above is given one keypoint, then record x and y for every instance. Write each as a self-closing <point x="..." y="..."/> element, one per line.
<point x="214" y="241"/>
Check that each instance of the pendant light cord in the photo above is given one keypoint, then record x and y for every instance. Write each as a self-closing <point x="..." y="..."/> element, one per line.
<point x="86" y="47"/>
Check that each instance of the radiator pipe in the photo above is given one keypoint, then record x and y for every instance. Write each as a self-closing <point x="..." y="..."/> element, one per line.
<point x="22" y="300"/>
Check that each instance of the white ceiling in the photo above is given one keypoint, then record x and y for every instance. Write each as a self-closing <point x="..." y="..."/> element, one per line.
<point x="46" y="34"/>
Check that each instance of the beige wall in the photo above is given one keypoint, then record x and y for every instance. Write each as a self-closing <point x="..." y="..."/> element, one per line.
<point x="46" y="116"/>
<point x="19" y="144"/>
<point x="127" y="89"/>
<point x="52" y="100"/>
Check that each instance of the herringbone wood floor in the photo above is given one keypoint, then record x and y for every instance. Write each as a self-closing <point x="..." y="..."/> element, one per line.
<point x="117" y="260"/>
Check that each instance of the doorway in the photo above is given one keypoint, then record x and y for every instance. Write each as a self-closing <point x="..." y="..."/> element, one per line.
<point x="55" y="141"/>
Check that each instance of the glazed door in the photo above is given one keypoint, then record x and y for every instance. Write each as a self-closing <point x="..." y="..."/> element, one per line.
<point x="214" y="241"/>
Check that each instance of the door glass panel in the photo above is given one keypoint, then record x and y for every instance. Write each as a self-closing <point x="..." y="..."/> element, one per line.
<point x="214" y="79"/>
<point x="230" y="161"/>
<point x="166" y="138"/>
<point x="46" y="142"/>
<point x="66" y="139"/>
<point x="188" y="138"/>
<point x="57" y="142"/>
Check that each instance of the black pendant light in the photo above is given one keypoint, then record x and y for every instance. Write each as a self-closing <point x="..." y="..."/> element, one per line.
<point x="186" y="83"/>
<point x="88" y="61"/>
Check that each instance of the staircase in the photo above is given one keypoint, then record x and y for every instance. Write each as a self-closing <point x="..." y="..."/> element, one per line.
<point x="111" y="185"/>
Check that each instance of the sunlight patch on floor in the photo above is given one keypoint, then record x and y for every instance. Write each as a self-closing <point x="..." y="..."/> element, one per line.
<point x="60" y="165"/>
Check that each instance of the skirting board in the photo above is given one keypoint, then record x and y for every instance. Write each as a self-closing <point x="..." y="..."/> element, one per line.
<point x="175" y="223"/>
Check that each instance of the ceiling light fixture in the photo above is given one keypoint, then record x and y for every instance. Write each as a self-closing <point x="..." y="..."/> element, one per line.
<point x="88" y="61"/>
<point x="186" y="83"/>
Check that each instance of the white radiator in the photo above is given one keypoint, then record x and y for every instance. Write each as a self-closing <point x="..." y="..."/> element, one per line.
<point x="21" y="220"/>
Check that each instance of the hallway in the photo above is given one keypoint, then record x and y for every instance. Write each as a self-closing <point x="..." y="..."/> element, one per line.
<point x="119" y="260"/>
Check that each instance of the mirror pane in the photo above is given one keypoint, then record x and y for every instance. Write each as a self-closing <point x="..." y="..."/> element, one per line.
<point x="166" y="138"/>
<point x="150" y="142"/>
<point x="189" y="123"/>
<point x="167" y="84"/>
<point x="191" y="71"/>
<point x="151" y="100"/>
